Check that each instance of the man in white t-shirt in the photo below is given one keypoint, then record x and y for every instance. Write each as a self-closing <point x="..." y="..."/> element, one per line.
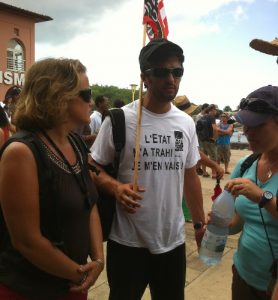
<point x="147" y="241"/>
<point x="102" y="105"/>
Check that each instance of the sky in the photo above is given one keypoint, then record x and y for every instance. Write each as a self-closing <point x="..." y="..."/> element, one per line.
<point x="107" y="36"/>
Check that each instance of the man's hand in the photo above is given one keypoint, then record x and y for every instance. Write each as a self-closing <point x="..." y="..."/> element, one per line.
<point x="219" y="171"/>
<point x="127" y="197"/>
<point x="199" y="233"/>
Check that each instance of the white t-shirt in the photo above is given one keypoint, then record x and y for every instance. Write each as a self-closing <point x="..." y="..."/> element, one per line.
<point x="95" y="122"/>
<point x="168" y="145"/>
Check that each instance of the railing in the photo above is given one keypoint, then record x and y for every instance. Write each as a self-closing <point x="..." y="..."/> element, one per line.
<point x="15" y="64"/>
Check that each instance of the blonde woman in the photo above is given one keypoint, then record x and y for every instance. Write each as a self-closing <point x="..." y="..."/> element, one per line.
<point x="51" y="229"/>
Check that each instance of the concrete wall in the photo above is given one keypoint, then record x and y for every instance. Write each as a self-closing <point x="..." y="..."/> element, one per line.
<point x="10" y="22"/>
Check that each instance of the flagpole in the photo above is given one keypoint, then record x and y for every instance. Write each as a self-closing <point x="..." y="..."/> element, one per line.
<point x="138" y="125"/>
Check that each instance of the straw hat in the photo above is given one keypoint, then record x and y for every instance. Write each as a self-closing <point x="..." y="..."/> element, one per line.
<point x="185" y="105"/>
<point x="265" y="47"/>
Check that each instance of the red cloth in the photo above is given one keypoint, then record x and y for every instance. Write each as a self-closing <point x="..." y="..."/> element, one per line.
<point x="5" y="133"/>
<point x="217" y="191"/>
<point x="8" y="294"/>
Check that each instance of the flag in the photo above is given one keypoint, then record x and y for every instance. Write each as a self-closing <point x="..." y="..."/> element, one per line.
<point x="155" y="18"/>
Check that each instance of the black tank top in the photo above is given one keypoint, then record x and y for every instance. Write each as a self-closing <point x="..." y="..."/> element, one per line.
<point x="74" y="219"/>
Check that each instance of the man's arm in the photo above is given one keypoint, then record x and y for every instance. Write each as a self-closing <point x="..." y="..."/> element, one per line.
<point x="214" y="132"/>
<point x="193" y="195"/>
<point x="228" y="131"/>
<point x="205" y="160"/>
<point x="194" y="200"/>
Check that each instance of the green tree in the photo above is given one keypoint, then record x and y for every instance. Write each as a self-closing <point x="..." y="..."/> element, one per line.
<point x="113" y="93"/>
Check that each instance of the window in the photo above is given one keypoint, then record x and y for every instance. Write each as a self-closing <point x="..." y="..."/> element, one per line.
<point x="15" y="56"/>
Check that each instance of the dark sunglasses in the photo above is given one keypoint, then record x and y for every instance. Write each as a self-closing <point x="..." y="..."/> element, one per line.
<point x="258" y="105"/>
<point x="86" y="95"/>
<point x="165" y="72"/>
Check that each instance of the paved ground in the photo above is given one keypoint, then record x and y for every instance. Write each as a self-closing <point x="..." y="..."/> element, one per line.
<point x="202" y="282"/>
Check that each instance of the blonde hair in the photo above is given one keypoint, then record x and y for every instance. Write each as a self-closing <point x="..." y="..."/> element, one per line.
<point x="50" y="85"/>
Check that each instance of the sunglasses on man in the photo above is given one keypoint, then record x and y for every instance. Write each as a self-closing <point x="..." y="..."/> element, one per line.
<point x="258" y="105"/>
<point x="165" y="72"/>
<point x="86" y="95"/>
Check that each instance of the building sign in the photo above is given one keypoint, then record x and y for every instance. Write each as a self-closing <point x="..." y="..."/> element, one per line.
<point x="12" y="78"/>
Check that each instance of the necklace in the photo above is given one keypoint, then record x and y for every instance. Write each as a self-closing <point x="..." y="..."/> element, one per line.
<point x="82" y="184"/>
<point x="269" y="172"/>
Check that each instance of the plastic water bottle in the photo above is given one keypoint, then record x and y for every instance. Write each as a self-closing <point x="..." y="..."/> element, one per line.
<point x="215" y="237"/>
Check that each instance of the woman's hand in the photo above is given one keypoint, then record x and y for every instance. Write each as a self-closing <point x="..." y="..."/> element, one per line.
<point x="246" y="187"/>
<point x="89" y="274"/>
<point x="127" y="197"/>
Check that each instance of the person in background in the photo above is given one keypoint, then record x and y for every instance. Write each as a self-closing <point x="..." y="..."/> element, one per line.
<point x="102" y="106"/>
<point x="200" y="168"/>
<point x="183" y="103"/>
<point x="189" y="108"/>
<point x="45" y="243"/>
<point x="223" y="143"/>
<point x="4" y="126"/>
<point x="146" y="245"/>
<point x="85" y="131"/>
<point x="207" y="136"/>
<point x="118" y="103"/>
<point x="11" y="99"/>
<point x="256" y="198"/>
<point x="201" y="113"/>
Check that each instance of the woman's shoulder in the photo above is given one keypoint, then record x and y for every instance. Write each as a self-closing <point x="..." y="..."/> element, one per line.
<point x="243" y="164"/>
<point x="17" y="151"/>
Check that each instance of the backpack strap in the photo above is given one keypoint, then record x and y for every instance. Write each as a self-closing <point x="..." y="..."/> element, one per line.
<point x="82" y="146"/>
<point x="46" y="185"/>
<point x="248" y="162"/>
<point x="31" y="140"/>
<point x="117" y="117"/>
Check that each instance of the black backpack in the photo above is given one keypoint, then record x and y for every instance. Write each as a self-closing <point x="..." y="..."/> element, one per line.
<point x="203" y="129"/>
<point x="107" y="203"/>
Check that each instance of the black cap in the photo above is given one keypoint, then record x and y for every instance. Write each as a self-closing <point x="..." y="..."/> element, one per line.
<point x="164" y="45"/>
<point x="252" y="116"/>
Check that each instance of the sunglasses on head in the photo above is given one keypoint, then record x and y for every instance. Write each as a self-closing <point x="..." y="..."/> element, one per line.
<point x="165" y="72"/>
<point x="86" y="95"/>
<point x="257" y="105"/>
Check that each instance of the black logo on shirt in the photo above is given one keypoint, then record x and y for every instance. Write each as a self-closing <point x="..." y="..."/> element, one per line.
<point x="178" y="141"/>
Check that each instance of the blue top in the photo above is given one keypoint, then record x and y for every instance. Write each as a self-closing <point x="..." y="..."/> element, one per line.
<point x="223" y="139"/>
<point x="253" y="258"/>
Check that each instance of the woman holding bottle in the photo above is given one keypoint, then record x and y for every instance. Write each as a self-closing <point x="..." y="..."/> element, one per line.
<point x="256" y="198"/>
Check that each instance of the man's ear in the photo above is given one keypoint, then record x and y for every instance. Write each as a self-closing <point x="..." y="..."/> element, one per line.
<point x="144" y="78"/>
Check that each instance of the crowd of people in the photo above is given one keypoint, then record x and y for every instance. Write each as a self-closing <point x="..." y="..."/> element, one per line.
<point x="49" y="183"/>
